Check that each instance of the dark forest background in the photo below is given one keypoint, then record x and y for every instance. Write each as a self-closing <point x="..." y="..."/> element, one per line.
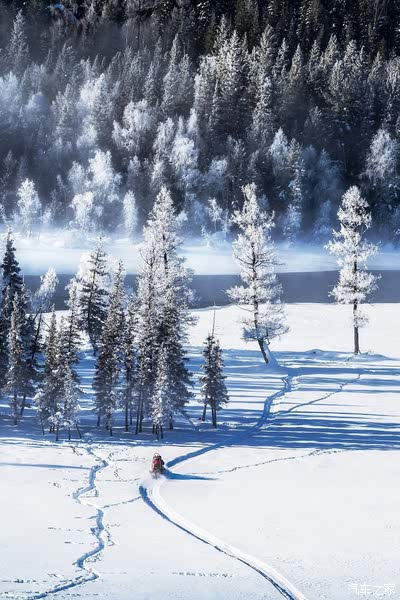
<point x="103" y="103"/>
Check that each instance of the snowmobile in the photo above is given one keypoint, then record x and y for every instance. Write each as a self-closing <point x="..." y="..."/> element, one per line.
<point x="157" y="466"/>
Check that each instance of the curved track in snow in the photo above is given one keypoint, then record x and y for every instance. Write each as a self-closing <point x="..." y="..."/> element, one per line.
<point x="151" y="494"/>
<point x="89" y="574"/>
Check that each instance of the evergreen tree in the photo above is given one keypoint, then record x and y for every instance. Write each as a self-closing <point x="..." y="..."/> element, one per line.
<point x="130" y="362"/>
<point x="174" y="295"/>
<point x="12" y="285"/>
<point x="29" y="206"/>
<point x="106" y="382"/>
<point x="93" y="295"/>
<point x="47" y="396"/>
<point x="213" y="388"/>
<point x="352" y="251"/>
<point x="70" y="406"/>
<point x="161" y="405"/>
<point x="17" y="50"/>
<point x="70" y="336"/>
<point x="260" y="294"/>
<point x="16" y="372"/>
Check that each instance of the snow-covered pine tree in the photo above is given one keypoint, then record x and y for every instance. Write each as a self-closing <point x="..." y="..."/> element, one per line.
<point x="70" y="407"/>
<point x="106" y="382"/>
<point x="148" y="291"/>
<point x="130" y="362"/>
<point x="255" y="254"/>
<point x="47" y="396"/>
<point x="93" y="295"/>
<point x="32" y="368"/>
<point x="162" y="405"/>
<point x="130" y="212"/>
<point x="41" y="303"/>
<point x="12" y="285"/>
<point x="29" y="206"/>
<point x="213" y="388"/>
<point x="174" y="296"/>
<point x="70" y="336"/>
<point x="17" y="51"/>
<point x="352" y="252"/>
<point x="15" y="376"/>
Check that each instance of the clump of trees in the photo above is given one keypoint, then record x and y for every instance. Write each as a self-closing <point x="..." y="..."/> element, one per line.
<point x="138" y="340"/>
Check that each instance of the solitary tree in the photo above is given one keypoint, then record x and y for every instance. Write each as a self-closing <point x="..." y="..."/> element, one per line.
<point x="352" y="252"/>
<point x="254" y="251"/>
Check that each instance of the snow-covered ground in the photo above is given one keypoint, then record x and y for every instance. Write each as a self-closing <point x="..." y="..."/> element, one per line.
<point x="295" y="495"/>
<point x="62" y="250"/>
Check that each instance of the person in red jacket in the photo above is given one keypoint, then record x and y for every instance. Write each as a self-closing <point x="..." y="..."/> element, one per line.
<point x="157" y="464"/>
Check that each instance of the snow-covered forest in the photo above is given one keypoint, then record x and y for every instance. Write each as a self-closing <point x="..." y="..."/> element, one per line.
<point x="103" y="103"/>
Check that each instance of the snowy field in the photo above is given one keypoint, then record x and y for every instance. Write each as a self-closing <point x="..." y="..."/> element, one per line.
<point x="295" y="495"/>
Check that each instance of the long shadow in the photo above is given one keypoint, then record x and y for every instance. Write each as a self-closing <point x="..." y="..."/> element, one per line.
<point x="247" y="376"/>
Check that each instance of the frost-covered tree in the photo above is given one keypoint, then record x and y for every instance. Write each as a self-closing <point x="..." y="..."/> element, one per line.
<point x="12" y="286"/>
<point x="18" y="50"/>
<point x="352" y="251"/>
<point x="47" y="395"/>
<point x="130" y="363"/>
<point x="174" y="294"/>
<point x="161" y="405"/>
<point x="16" y="372"/>
<point x="70" y="407"/>
<point x="83" y="206"/>
<point x="29" y="206"/>
<point x="213" y="388"/>
<point x="70" y="333"/>
<point x="215" y="212"/>
<point x="148" y="313"/>
<point x="255" y="254"/>
<point x="106" y="382"/>
<point x="41" y="303"/>
<point x="92" y="282"/>
<point x="382" y="174"/>
<point x="130" y="211"/>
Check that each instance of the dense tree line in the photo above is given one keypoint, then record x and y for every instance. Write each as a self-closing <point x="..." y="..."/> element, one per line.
<point x="103" y="104"/>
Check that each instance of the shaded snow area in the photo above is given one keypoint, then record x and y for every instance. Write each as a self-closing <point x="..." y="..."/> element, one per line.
<point x="295" y="495"/>
<point x="62" y="250"/>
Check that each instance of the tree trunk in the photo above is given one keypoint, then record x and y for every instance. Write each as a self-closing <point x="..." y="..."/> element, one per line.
<point x="139" y="410"/>
<point x="98" y="418"/>
<point x="57" y="433"/>
<point x="42" y="424"/>
<point x="78" y="430"/>
<point x="171" y="422"/>
<point x="126" y="415"/>
<point x="162" y="431"/>
<point x="203" y="418"/>
<point x="23" y="405"/>
<point x="69" y="434"/>
<point x="355" y="312"/>
<point x="356" y="335"/>
<point x="262" y="348"/>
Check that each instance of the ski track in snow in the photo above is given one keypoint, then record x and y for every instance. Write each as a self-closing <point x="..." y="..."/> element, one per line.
<point x="90" y="574"/>
<point x="153" y="498"/>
